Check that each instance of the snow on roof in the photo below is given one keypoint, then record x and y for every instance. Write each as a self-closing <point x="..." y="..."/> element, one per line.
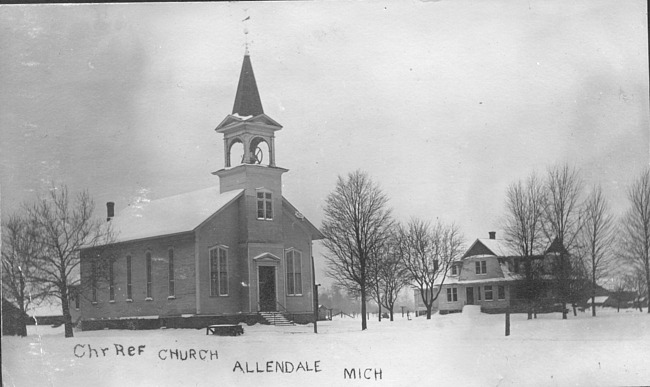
<point x="170" y="215"/>
<point x="498" y="246"/>
<point x="241" y="117"/>
<point x="505" y="269"/>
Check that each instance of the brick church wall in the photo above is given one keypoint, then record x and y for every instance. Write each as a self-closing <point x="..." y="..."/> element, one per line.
<point x="160" y="305"/>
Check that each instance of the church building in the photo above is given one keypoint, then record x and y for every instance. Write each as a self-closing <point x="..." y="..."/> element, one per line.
<point x="231" y="253"/>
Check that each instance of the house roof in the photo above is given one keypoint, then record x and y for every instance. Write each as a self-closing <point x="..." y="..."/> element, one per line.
<point x="170" y="215"/>
<point x="486" y="246"/>
<point x="557" y="247"/>
<point x="600" y="299"/>
<point x="247" y="99"/>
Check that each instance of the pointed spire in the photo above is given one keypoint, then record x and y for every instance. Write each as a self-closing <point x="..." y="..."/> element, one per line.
<point x="247" y="100"/>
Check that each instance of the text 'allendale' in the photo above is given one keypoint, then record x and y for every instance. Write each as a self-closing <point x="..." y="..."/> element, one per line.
<point x="285" y="367"/>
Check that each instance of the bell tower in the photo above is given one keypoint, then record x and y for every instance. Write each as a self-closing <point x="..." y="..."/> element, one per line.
<point x="249" y="128"/>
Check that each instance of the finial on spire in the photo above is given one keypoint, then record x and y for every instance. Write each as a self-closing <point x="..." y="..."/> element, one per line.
<point x="246" y="53"/>
<point x="246" y="43"/>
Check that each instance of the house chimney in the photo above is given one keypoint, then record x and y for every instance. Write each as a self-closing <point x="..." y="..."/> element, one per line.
<point x="110" y="211"/>
<point x="493" y="234"/>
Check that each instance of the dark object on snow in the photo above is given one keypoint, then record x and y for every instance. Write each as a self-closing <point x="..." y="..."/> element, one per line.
<point x="225" y="330"/>
<point x="13" y="320"/>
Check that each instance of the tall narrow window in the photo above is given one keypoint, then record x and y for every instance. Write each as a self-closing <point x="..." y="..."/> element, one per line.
<point x="223" y="272"/>
<point x="290" y="285"/>
<point x="218" y="271"/>
<point x="170" y="254"/>
<point x="452" y="294"/>
<point x="264" y="205"/>
<point x="294" y="272"/>
<point x="501" y="293"/>
<point x="478" y="292"/>
<point x="111" y="283"/>
<point x="129" y="288"/>
<point x="481" y="267"/>
<point x="93" y="278"/>
<point x="148" y="264"/>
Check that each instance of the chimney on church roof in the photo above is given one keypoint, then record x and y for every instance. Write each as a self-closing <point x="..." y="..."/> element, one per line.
<point x="493" y="234"/>
<point x="110" y="211"/>
<point x="247" y="99"/>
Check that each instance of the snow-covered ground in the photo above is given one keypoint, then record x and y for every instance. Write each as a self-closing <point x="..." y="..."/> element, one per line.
<point x="453" y="350"/>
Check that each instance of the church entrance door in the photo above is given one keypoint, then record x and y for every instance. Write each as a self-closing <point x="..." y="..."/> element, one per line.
<point x="266" y="275"/>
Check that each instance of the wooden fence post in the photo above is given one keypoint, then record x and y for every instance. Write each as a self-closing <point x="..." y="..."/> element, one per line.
<point x="507" y="322"/>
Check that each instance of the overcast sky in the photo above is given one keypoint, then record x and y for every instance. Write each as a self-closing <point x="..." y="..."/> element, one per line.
<point x="443" y="103"/>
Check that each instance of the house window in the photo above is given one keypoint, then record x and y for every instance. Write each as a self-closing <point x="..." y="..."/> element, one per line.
<point x="148" y="263"/>
<point x="501" y="293"/>
<point x="111" y="283"/>
<point x="452" y="294"/>
<point x="454" y="270"/>
<point x="488" y="293"/>
<point x="478" y="292"/>
<point x="218" y="271"/>
<point x="76" y="299"/>
<point x="264" y="205"/>
<point x="170" y="254"/>
<point x="516" y="265"/>
<point x="129" y="288"/>
<point x="481" y="267"/>
<point x="294" y="272"/>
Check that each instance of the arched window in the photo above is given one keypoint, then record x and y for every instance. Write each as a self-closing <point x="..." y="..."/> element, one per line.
<point x="235" y="153"/>
<point x="259" y="151"/>
<point x="129" y="287"/>
<point x="170" y="254"/>
<point x="293" y="261"/>
<point x="111" y="283"/>
<point x="149" y="279"/>
<point x="219" y="271"/>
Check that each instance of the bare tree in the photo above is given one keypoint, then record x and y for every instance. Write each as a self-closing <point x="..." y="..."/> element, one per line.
<point x="428" y="252"/>
<point x="636" y="227"/>
<point x="562" y="223"/>
<point x="392" y="275"/>
<point x="64" y="226"/>
<point x="619" y="290"/>
<point x="597" y="238"/>
<point x="20" y="254"/>
<point x="523" y="232"/>
<point x="356" y="222"/>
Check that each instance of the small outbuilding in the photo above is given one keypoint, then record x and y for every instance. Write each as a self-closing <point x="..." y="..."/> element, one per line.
<point x="13" y="320"/>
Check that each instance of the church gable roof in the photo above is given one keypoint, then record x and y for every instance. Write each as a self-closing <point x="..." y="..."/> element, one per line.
<point x="294" y="213"/>
<point x="170" y="215"/>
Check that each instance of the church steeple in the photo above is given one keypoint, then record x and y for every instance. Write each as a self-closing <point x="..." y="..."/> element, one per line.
<point x="250" y="133"/>
<point x="247" y="100"/>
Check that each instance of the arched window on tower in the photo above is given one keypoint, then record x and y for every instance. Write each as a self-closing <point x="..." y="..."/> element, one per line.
<point x="235" y="153"/>
<point x="259" y="151"/>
